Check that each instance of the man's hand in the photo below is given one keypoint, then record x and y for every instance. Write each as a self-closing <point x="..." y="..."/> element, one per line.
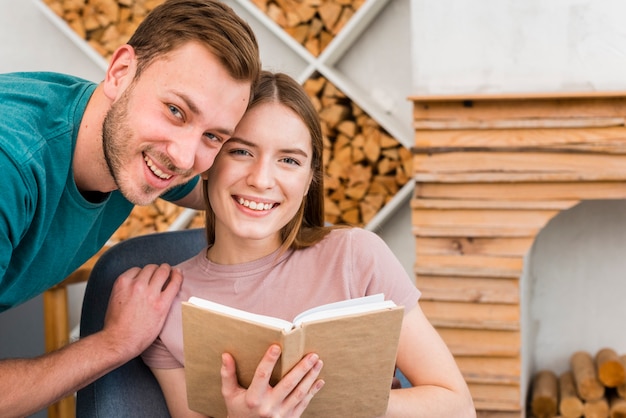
<point x="138" y="306"/>
<point x="288" y="398"/>
<point x="139" y="302"/>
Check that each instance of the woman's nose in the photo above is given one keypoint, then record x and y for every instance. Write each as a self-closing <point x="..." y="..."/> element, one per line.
<point x="261" y="175"/>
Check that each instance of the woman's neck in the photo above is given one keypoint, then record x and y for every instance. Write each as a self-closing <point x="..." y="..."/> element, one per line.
<point x="225" y="251"/>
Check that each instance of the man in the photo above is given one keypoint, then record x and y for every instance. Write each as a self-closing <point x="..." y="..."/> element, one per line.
<point x="78" y="156"/>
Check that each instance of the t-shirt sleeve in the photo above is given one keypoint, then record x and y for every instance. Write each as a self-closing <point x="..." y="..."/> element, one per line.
<point x="157" y="356"/>
<point x="377" y="264"/>
<point x="181" y="191"/>
<point x="17" y="208"/>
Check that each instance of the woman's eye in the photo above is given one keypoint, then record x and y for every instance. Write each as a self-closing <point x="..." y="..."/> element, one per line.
<point x="290" y="161"/>
<point x="239" y="152"/>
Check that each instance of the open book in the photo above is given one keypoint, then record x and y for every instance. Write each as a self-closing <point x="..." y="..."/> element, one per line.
<point x="357" y="340"/>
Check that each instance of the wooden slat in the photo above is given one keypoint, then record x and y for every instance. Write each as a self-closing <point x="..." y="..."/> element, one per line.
<point x="496" y="397"/>
<point x="469" y="265"/>
<point x="492" y="204"/>
<point x="472" y="315"/>
<point x="492" y="218"/>
<point x="517" y="166"/>
<point x="523" y="191"/>
<point x="500" y="246"/>
<point x="492" y="107"/>
<point x="480" y="413"/>
<point x="517" y="124"/>
<point x="475" y="231"/>
<point x="598" y="139"/>
<point x="477" y="342"/>
<point x="491" y="370"/>
<point x="468" y="289"/>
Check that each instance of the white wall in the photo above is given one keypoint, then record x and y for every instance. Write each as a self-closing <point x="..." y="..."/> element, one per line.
<point x="494" y="46"/>
<point x="577" y="301"/>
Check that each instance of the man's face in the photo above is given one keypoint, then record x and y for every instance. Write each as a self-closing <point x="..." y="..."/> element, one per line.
<point x="170" y="123"/>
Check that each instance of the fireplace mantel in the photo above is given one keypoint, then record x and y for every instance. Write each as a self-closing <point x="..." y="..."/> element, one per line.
<point x="490" y="172"/>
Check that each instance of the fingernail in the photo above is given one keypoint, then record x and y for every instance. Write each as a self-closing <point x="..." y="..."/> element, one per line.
<point x="319" y="385"/>
<point x="275" y="350"/>
<point x="313" y="359"/>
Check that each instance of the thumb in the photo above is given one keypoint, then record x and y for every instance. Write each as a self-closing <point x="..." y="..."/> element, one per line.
<point x="229" y="375"/>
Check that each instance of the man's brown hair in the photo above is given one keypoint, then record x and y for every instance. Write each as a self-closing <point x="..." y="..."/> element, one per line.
<point x="209" y="22"/>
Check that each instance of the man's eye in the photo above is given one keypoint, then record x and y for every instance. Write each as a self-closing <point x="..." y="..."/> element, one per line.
<point x="213" y="138"/>
<point x="175" y="111"/>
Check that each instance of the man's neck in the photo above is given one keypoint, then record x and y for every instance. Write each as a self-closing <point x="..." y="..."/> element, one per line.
<point x="91" y="172"/>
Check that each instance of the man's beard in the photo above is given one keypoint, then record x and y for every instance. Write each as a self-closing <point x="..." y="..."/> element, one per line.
<point x="116" y="135"/>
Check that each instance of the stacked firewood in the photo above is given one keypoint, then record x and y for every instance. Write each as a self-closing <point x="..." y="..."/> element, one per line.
<point x="593" y="387"/>
<point x="312" y="23"/>
<point x="104" y="24"/>
<point x="364" y="166"/>
<point x="156" y="217"/>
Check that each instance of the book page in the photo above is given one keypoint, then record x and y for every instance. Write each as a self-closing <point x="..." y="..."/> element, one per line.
<point x="238" y="313"/>
<point x="344" y="307"/>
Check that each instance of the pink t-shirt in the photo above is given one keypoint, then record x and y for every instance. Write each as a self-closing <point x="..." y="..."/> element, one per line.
<point x="347" y="263"/>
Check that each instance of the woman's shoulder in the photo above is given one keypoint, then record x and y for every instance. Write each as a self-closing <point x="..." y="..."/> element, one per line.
<point x="353" y="233"/>
<point x="354" y="237"/>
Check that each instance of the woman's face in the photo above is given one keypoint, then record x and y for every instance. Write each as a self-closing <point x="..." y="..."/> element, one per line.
<point x="261" y="175"/>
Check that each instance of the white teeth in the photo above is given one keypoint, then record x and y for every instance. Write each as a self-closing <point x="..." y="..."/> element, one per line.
<point x="155" y="170"/>
<point x="255" y="205"/>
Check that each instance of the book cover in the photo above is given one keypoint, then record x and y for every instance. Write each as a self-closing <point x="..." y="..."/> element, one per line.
<point x="358" y="347"/>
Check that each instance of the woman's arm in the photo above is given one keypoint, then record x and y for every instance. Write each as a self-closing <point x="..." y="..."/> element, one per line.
<point x="438" y="388"/>
<point x="289" y="397"/>
<point x="172" y="382"/>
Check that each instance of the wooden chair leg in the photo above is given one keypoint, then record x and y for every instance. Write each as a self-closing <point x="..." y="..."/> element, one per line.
<point x="56" y="322"/>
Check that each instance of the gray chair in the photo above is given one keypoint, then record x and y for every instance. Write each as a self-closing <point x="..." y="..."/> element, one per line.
<point x="130" y="390"/>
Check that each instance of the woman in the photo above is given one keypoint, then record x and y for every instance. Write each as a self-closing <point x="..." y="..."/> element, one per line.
<point x="270" y="253"/>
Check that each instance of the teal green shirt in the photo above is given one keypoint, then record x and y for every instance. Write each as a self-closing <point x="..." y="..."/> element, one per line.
<point x="47" y="228"/>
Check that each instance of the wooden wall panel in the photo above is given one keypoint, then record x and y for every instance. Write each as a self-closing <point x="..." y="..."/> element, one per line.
<point x="490" y="173"/>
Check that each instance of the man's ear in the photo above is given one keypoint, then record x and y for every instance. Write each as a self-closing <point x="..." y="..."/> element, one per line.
<point x="121" y="71"/>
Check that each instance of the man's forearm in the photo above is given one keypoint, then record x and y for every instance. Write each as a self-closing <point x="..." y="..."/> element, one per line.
<point x="29" y="385"/>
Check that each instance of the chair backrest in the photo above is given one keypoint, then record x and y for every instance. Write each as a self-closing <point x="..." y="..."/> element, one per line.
<point x="131" y="390"/>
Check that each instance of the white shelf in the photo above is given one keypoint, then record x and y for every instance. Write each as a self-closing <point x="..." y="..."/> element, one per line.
<point x="361" y="61"/>
<point x="73" y="36"/>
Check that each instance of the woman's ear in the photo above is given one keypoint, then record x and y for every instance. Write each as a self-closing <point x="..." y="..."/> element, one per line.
<point x="121" y="71"/>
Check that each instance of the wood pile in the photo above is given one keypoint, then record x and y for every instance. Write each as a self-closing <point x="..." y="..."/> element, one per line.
<point x="593" y="387"/>
<point x="156" y="217"/>
<point x="104" y="24"/>
<point x="364" y="166"/>
<point x="312" y="23"/>
<point x="490" y="172"/>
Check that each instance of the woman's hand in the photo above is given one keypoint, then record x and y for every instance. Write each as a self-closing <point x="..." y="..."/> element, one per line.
<point x="288" y="398"/>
